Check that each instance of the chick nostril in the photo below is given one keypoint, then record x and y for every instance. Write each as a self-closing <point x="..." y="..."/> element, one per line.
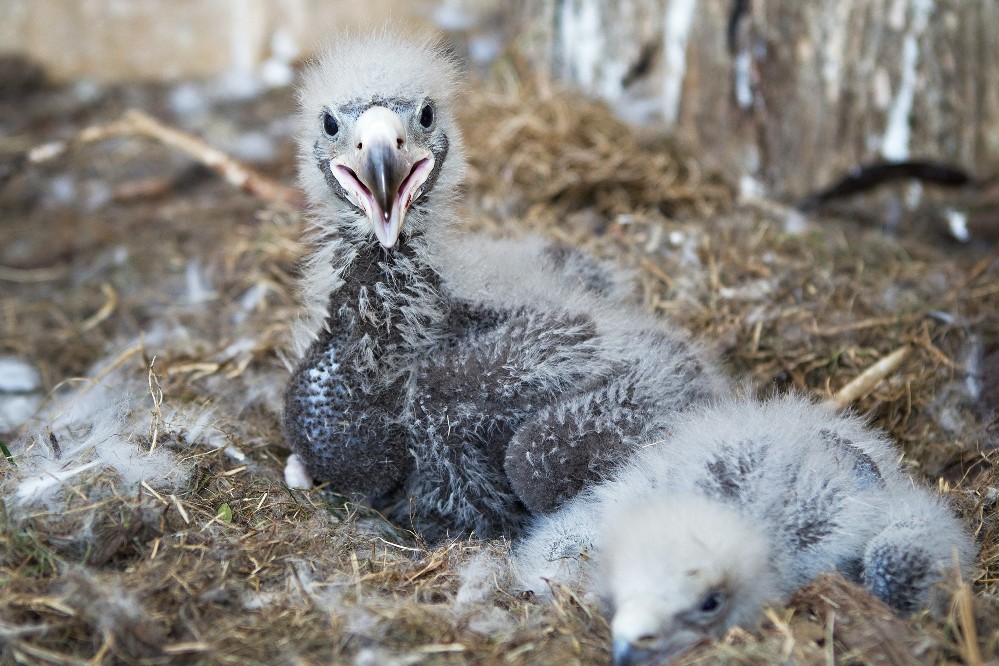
<point x="359" y="145"/>
<point x="399" y="143"/>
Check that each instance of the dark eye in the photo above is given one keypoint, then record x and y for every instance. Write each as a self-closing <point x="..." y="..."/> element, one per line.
<point x="712" y="602"/>
<point x="330" y="125"/>
<point x="427" y="116"/>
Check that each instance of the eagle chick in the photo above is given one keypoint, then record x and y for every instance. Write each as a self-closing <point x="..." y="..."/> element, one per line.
<point x="457" y="383"/>
<point x="746" y="503"/>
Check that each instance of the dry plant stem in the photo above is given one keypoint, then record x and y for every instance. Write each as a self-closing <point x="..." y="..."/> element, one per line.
<point x="157" y="412"/>
<point x="138" y="123"/>
<point x="31" y="275"/>
<point x="865" y="382"/>
<point x="865" y="630"/>
<point x="106" y="310"/>
<point x="966" y="621"/>
<point x="91" y="382"/>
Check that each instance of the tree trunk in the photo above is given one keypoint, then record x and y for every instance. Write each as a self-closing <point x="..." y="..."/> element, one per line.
<point x="787" y="95"/>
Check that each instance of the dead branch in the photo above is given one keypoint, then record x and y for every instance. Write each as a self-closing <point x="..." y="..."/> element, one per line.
<point x="138" y="123"/>
<point x="864" y="383"/>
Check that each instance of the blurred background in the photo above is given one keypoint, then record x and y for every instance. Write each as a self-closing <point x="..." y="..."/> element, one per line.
<point x="784" y="96"/>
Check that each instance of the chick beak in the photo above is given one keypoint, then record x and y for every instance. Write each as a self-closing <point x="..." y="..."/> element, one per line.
<point x="383" y="173"/>
<point x="642" y="636"/>
<point x="626" y="653"/>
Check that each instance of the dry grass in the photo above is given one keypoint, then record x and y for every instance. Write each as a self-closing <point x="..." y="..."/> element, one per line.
<point x="234" y="568"/>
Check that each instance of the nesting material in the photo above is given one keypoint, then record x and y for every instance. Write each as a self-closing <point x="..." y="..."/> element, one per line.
<point x="229" y="565"/>
<point x="90" y="432"/>
<point x="541" y="152"/>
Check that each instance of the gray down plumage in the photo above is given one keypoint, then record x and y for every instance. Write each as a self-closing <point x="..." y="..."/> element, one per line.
<point x="456" y="382"/>
<point x="372" y="313"/>
<point x="747" y="502"/>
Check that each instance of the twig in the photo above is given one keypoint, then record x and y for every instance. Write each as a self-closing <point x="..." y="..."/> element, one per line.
<point x="656" y="271"/>
<point x="138" y="123"/>
<point x="866" y="177"/>
<point x="925" y="343"/>
<point x="106" y="310"/>
<point x="873" y="322"/>
<point x="180" y="509"/>
<point x="32" y="275"/>
<point x="184" y="648"/>
<point x="91" y="382"/>
<point x="966" y="622"/>
<point x="977" y="270"/>
<point x="106" y="645"/>
<point x="356" y="568"/>
<point x="395" y="545"/>
<point x="146" y="188"/>
<point x="154" y="493"/>
<point x="865" y="382"/>
<point x="157" y="413"/>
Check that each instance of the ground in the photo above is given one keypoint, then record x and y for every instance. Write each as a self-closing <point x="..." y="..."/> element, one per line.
<point x="154" y="300"/>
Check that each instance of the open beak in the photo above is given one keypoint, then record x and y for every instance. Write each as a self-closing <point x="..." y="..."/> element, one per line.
<point x="383" y="173"/>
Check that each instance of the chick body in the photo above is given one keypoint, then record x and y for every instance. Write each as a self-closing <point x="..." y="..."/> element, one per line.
<point x="744" y="504"/>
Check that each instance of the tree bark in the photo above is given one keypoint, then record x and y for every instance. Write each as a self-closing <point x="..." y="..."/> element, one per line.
<point x="784" y="95"/>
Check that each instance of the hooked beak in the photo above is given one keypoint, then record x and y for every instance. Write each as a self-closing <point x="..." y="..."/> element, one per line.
<point x="641" y="637"/>
<point x="626" y="653"/>
<point x="383" y="173"/>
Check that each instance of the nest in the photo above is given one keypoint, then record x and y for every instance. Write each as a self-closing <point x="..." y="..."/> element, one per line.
<point x="540" y="153"/>
<point x="179" y="293"/>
